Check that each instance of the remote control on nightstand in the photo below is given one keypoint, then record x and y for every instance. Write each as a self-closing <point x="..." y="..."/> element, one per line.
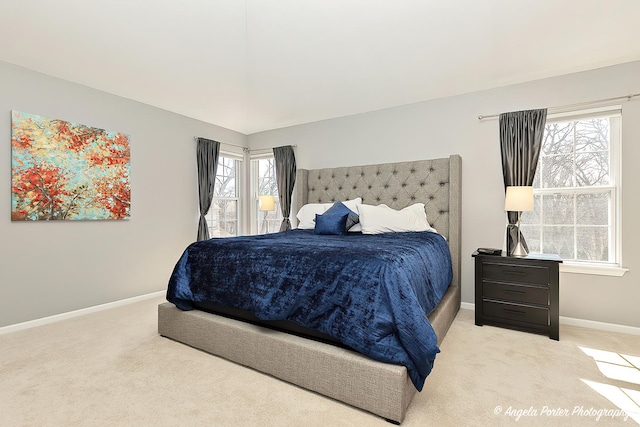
<point x="489" y="251"/>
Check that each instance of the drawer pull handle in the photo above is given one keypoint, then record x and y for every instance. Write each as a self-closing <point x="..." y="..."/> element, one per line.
<point x="513" y="291"/>
<point x="515" y="272"/>
<point x="508" y="310"/>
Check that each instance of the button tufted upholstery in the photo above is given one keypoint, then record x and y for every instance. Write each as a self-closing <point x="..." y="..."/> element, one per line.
<point x="397" y="185"/>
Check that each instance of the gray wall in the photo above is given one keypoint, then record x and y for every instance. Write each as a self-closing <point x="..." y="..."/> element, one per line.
<point x="50" y="268"/>
<point x="450" y="125"/>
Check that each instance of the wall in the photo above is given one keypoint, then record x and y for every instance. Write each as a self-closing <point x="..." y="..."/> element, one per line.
<point x="441" y="127"/>
<point x="50" y="268"/>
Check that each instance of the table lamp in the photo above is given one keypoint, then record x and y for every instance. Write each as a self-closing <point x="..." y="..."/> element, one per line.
<point x="266" y="203"/>
<point x="519" y="199"/>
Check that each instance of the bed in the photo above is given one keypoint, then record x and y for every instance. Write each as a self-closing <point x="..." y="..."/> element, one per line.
<point x="385" y="389"/>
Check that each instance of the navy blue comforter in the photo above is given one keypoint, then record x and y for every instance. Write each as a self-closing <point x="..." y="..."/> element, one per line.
<point x="371" y="292"/>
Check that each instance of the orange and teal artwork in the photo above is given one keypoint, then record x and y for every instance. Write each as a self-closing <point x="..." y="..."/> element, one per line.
<point x="67" y="171"/>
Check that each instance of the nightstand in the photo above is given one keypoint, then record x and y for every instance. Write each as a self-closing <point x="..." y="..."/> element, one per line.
<point x="518" y="292"/>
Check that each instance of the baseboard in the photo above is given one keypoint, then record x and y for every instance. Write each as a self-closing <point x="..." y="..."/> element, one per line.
<point x="583" y="323"/>
<point x="571" y="321"/>
<point x="62" y="316"/>
<point x="467" y="306"/>
<point x="611" y="327"/>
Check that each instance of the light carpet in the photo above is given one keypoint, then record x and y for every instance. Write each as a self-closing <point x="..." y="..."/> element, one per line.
<point x="111" y="368"/>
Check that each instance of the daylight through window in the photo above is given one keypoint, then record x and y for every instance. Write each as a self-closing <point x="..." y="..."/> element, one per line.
<point x="264" y="173"/>
<point x="576" y="189"/>
<point x="223" y="216"/>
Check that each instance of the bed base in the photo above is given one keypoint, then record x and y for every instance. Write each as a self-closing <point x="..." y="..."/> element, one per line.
<point x="345" y="375"/>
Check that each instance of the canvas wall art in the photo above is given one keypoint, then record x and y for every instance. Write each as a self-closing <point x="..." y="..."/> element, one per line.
<point x="67" y="171"/>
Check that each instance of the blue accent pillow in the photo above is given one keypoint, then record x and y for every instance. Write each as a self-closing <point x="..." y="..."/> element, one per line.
<point x="340" y="208"/>
<point x="331" y="224"/>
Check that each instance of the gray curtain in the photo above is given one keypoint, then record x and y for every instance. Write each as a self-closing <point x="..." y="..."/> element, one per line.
<point x="285" y="179"/>
<point x="521" y="135"/>
<point x="207" y="154"/>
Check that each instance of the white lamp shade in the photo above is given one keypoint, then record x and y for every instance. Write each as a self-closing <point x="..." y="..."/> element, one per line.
<point x="518" y="199"/>
<point x="266" y="203"/>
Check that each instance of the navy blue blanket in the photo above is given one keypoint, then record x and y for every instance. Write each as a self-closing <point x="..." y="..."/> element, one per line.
<point x="370" y="292"/>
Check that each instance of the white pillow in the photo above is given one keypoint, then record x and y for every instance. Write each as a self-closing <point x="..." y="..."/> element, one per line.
<point x="353" y="204"/>
<point x="383" y="219"/>
<point x="307" y="214"/>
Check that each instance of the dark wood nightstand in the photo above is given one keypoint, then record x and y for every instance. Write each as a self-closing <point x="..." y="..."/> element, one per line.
<point x="518" y="292"/>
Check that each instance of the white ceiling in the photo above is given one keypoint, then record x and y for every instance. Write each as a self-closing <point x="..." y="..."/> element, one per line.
<point x="254" y="65"/>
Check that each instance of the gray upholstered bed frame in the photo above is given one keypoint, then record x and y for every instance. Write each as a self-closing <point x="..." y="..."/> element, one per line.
<point x="342" y="374"/>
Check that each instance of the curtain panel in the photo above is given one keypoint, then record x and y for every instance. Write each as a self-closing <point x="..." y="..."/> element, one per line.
<point x="207" y="153"/>
<point x="521" y="134"/>
<point x="285" y="160"/>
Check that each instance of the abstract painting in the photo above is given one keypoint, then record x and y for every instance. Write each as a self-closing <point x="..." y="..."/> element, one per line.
<point x="67" y="171"/>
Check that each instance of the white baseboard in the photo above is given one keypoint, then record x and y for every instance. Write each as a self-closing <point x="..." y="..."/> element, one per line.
<point x="76" y="313"/>
<point x="611" y="327"/>
<point x="583" y="323"/>
<point x="468" y="306"/>
<point x="592" y="324"/>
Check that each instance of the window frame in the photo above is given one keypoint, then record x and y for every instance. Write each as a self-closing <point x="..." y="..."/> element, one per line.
<point x="614" y="266"/>
<point x="237" y="159"/>
<point x="255" y="190"/>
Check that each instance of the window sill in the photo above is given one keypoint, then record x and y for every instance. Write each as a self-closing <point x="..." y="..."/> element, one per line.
<point x="598" y="270"/>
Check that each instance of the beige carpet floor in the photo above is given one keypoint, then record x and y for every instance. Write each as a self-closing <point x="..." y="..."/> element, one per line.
<point x="112" y="369"/>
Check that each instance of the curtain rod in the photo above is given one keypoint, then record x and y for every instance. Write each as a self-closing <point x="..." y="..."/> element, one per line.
<point x="580" y="104"/>
<point x="245" y="149"/>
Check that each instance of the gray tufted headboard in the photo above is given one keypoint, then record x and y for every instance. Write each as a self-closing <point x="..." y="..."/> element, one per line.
<point x="436" y="183"/>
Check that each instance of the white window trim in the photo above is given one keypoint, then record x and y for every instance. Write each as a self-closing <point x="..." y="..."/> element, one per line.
<point x="239" y="162"/>
<point x="232" y="151"/>
<point x="264" y="153"/>
<point x="254" y="195"/>
<point x="592" y="268"/>
<point x="575" y="267"/>
<point x="254" y="173"/>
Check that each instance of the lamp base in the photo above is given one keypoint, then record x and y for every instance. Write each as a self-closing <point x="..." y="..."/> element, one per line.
<point x="519" y="251"/>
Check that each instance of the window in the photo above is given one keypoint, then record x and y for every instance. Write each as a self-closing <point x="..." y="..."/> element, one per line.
<point x="223" y="215"/>
<point x="264" y="178"/>
<point x="576" y="189"/>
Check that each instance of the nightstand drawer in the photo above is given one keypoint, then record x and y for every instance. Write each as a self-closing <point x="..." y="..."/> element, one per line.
<point x="516" y="273"/>
<point x="518" y="293"/>
<point x="517" y="312"/>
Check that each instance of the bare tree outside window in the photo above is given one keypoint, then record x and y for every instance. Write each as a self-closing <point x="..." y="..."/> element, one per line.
<point x="268" y="221"/>
<point x="223" y="214"/>
<point x="574" y="191"/>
